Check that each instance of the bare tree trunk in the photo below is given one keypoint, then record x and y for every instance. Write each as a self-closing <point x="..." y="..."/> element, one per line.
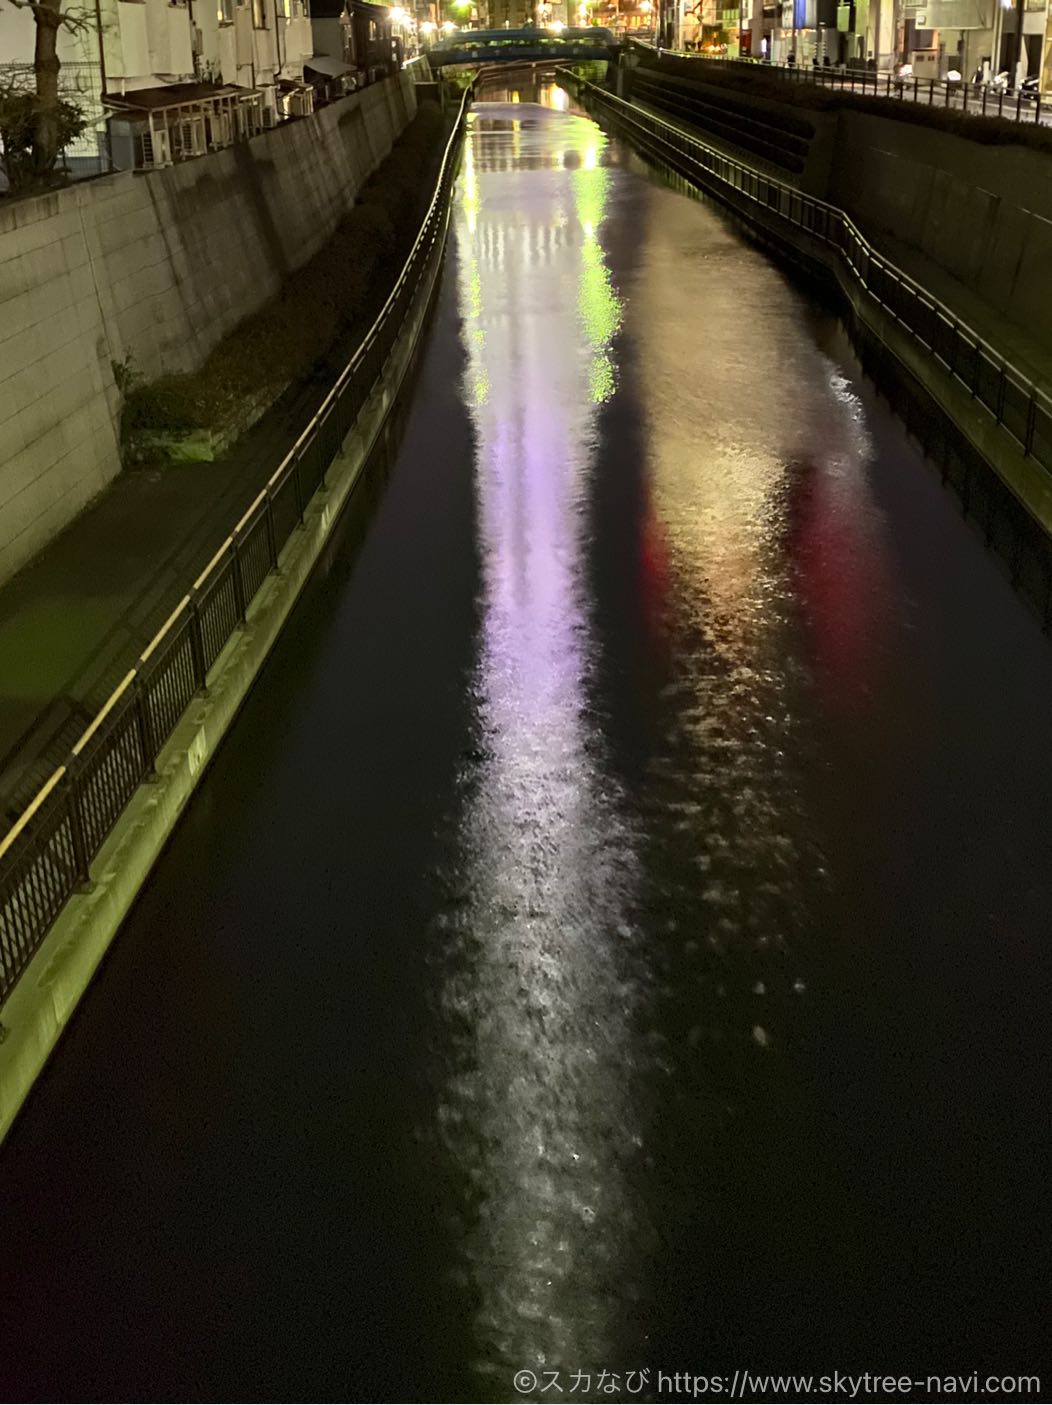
<point x="48" y="16"/>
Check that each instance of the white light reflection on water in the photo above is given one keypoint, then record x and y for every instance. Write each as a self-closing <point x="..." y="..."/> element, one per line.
<point x="541" y="978"/>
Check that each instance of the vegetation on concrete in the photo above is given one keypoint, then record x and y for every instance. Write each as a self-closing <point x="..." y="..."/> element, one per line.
<point x="326" y="300"/>
<point x="760" y="82"/>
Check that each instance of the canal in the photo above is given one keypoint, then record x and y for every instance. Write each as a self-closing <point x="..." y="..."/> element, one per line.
<point x="615" y="935"/>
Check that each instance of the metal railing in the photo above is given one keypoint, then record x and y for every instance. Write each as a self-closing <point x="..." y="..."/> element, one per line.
<point x="1017" y="404"/>
<point x="972" y="99"/>
<point x="47" y="854"/>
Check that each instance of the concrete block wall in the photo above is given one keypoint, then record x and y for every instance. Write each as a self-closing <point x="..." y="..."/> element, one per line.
<point x="982" y="213"/>
<point x="154" y="268"/>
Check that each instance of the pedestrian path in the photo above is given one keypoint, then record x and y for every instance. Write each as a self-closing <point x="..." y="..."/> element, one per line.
<point x="77" y="617"/>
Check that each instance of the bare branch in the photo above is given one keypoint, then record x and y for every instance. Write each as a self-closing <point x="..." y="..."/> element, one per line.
<point x="76" y="21"/>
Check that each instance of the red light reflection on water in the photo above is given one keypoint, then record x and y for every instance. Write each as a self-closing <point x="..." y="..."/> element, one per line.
<point x="842" y="579"/>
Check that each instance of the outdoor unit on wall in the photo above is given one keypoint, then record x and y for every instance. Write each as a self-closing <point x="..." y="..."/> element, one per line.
<point x="270" y="117"/>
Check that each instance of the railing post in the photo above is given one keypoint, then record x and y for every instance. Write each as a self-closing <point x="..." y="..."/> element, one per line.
<point x="197" y="643"/>
<point x="272" y="544"/>
<point x="81" y="863"/>
<point x="144" y="726"/>
<point x="239" y="583"/>
<point x="999" y="412"/>
<point x="1031" y="424"/>
<point x="297" y="482"/>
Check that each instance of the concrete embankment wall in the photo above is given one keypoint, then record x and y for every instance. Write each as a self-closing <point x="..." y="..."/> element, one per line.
<point x="150" y="270"/>
<point x="981" y="213"/>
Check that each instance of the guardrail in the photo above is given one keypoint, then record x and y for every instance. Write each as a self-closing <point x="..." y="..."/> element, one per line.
<point x="972" y="99"/>
<point x="46" y="856"/>
<point x="1018" y="405"/>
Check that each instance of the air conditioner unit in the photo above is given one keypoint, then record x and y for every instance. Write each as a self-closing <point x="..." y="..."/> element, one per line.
<point x="270" y="117"/>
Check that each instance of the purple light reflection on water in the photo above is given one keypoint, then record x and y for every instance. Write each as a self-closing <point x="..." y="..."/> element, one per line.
<point x="538" y="1111"/>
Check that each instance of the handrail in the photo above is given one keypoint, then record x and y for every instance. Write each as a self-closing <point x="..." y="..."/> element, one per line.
<point x="975" y="99"/>
<point x="48" y="849"/>
<point x="834" y="216"/>
<point x="27" y="814"/>
<point x="329" y="399"/>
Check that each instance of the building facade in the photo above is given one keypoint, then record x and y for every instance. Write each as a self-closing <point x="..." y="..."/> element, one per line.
<point x="158" y="80"/>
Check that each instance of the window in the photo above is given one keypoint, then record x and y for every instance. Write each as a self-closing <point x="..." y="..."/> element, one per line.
<point x="280" y="9"/>
<point x="259" y="13"/>
<point x="225" y="11"/>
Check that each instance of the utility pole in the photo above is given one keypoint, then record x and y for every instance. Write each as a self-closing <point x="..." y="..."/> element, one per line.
<point x="102" y="85"/>
<point x="999" y="19"/>
<point x="1017" y="66"/>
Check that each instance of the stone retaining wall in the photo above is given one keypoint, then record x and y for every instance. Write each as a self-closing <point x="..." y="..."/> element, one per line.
<point x="150" y="270"/>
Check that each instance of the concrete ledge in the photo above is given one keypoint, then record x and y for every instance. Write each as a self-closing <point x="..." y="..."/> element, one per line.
<point x="41" y="1003"/>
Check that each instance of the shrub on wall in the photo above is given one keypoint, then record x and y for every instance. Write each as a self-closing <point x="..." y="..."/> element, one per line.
<point x="326" y="297"/>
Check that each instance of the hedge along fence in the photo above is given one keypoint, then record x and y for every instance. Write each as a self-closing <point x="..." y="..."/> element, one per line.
<point x="761" y="82"/>
<point x="190" y="414"/>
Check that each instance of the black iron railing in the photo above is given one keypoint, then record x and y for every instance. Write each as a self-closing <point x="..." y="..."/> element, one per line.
<point x="1020" y="407"/>
<point x="47" y="854"/>
<point x="973" y="99"/>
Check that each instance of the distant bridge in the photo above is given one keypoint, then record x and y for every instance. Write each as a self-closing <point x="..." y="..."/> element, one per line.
<point x="522" y="46"/>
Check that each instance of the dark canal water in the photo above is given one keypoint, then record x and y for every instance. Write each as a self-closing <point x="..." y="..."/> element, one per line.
<point x="616" y="934"/>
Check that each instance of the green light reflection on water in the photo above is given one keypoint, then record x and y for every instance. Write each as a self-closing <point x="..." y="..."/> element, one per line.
<point x="598" y="305"/>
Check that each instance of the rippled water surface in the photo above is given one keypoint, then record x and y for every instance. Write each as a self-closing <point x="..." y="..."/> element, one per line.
<point x="616" y="934"/>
